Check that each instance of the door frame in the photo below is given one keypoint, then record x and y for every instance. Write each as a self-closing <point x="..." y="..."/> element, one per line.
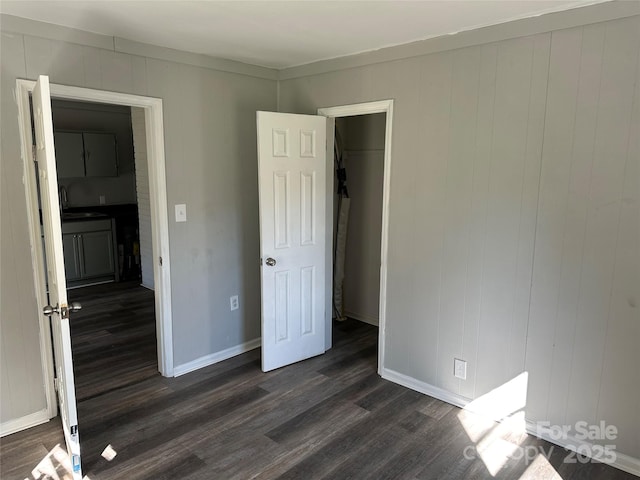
<point x="159" y="217"/>
<point x="381" y="106"/>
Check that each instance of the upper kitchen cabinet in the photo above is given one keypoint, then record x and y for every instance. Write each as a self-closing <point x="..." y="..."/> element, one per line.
<point x="84" y="154"/>
<point x="100" y="155"/>
<point x="69" y="154"/>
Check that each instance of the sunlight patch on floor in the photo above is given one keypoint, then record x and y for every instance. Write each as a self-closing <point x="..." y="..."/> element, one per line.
<point x="56" y="465"/>
<point x="501" y="443"/>
<point x="540" y="468"/>
<point x="109" y="453"/>
<point x="497" y="444"/>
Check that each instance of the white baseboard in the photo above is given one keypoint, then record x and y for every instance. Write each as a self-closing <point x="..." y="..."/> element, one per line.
<point x="22" y="423"/>
<point x="627" y="464"/>
<point x="215" y="357"/>
<point x="363" y="318"/>
<point x="622" y="462"/>
<point x="426" y="388"/>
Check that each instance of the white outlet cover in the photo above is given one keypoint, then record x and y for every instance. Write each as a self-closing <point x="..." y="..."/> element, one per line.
<point x="459" y="368"/>
<point x="233" y="302"/>
<point x="181" y="212"/>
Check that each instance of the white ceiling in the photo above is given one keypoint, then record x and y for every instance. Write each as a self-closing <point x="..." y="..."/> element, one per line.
<point x="280" y="34"/>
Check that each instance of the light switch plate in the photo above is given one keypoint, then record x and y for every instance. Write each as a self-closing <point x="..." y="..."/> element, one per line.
<point x="181" y="213"/>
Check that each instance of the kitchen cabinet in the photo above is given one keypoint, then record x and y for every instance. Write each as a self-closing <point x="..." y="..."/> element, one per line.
<point x="71" y="257"/>
<point x="86" y="154"/>
<point x="100" y="155"/>
<point x="69" y="154"/>
<point x="89" y="251"/>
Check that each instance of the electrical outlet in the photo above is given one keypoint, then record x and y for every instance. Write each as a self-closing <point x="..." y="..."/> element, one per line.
<point x="234" y="302"/>
<point x="103" y="200"/>
<point x="459" y="368"/>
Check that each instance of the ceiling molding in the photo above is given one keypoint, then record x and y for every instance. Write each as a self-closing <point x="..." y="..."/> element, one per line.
<point x="196" y="59"/>
<point x="26" y="26"/>
<point x="34" y="28"/>
<point x="600" y="12"/>
<point x="596" y="13"/>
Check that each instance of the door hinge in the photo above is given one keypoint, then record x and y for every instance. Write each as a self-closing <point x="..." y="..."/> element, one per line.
<point x="55" y="384"/>
<point x="160" y="259"/>
<point x="33" y="153"/>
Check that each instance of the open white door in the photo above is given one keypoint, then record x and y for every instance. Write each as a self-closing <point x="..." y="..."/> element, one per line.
<point x="292" y="177"/>
<point x="45" y="155"/>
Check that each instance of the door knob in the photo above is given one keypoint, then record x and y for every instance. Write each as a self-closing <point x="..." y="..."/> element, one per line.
<point x="271" y="261"/>
<point x="73" y="307"/>
<point x="49" y="310"/>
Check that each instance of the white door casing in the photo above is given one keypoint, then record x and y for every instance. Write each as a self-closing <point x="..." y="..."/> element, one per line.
<point x="52" y="230"/>
<point x="386" y="107"/>
<point x="292" y="177"/>
<point x="154" y="129"/>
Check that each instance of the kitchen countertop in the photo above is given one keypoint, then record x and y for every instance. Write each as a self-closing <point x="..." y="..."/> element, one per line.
<point x="82" y="216"/>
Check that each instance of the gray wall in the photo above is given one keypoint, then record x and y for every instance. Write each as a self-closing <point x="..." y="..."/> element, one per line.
<point x="22" y="388"/>
<point x="513" y="217"/>
<point x="363" y="139"/>
<point x="211" y="165"/>
<point x="513" y="237"/>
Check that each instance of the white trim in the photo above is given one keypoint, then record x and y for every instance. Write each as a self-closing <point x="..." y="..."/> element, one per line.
<point x="328" y="233"/>
<point x="154" y="125"/>
<point x="623" y="462"/>
<point x="35" y="231"/>
<point x="159" y="215"/>
<point x="574" y="17"/>
<point x="426" y="388"/>
<point x="147" y="50"/>
<point x="595" y="11"/>
<point x="50" y="31"/>
<point x="627" y="464"/>
<point x="381" y="106"/>
<point x="22" y="423"/>
<point x="362" y="318"/>
<point x="216" y="357"/>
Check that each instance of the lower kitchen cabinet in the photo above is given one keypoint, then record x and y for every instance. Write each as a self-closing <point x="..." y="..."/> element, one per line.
<point x="71" y="257"/>
<point x="88" y="251"/>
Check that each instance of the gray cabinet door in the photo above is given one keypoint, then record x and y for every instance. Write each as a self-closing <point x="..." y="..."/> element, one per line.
<point x="100" y="155"/>
<point x="96" y="254"/>
<point x="69" y="154"/>
<point x="71" y="257"/>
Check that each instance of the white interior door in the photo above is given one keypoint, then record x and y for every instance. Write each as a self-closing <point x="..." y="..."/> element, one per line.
<point x="292" y="173"/>
<point x="45" y="155"/>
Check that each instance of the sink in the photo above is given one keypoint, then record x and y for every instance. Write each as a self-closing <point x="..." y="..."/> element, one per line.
<point x="82" y="215"/>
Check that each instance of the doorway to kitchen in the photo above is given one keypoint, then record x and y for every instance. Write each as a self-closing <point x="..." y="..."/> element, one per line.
<point x="106" y="230"/>
<point x="153" y="145"/>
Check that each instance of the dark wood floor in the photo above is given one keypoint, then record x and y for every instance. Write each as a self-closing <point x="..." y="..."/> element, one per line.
<point x="330" y="417"/>
<point x="113" y="337"/>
